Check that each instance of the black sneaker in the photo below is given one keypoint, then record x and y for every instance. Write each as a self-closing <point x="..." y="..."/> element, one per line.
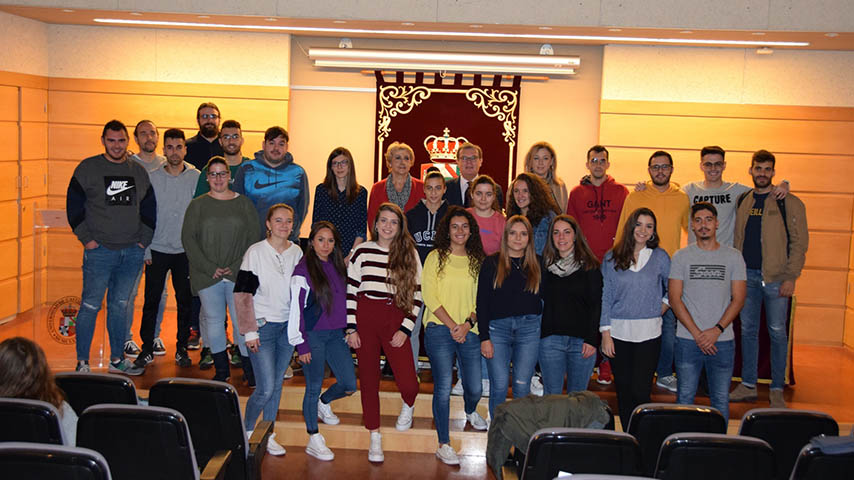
<point x="206" y="359"/>
<point x="159" y="348"/>
<point x="144" y="358"/>
<point x="131" y="349"/>
<point x="83" y="367"/>
<point x="194" y="341"/>
<point x="182" y="358"/>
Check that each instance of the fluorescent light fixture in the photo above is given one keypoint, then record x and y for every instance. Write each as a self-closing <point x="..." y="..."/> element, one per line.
<point x="441" y="61"/>
<point x="432" y="33"/>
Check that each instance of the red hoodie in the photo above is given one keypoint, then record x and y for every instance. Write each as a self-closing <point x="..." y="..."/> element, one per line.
<point x="597" y="210"/>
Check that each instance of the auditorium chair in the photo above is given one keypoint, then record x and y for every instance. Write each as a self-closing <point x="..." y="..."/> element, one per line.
<point x="86" y="389"/>
<point x="29" y="421"/>
<point x="599" y="476"/>
<point x="651" y="423"/>
<point x="580" y="450"/>
<point x="787" y="431"/>
<point x="213" y="414"/>
<point x="714" y="456"/>
<point x="142" y="442"/>
<point x="813" y="464"/>
<point x="38" y="461"/>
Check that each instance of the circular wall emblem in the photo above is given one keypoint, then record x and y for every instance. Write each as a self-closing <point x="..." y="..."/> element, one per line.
<point x="62" y="320"/>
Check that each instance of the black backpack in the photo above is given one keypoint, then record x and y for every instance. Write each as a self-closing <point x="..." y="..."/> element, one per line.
<point x="781" y="205"/>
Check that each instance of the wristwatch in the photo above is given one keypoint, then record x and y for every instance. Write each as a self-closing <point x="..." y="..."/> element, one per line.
<point x="470" y="322"/>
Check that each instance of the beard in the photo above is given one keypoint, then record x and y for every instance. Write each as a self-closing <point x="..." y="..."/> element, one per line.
<point x="660" y="183"/>
<point x="231" y="149"/>
<point x="209" y="130"/>
<point x="761" y="182"/>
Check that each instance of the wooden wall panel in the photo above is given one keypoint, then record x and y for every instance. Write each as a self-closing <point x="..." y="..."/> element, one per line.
<point x="28" y="214"/>
<point x="821" y="287"/>
<point x="9" y="145"/>
<point x="33" y="178"/>
<point x="59" y="173"/>
<point x="848" y="334"/>
<point x="8" y="259"/>
<point x="64" y="250"/>
<point x="166" y="111"/>
<point x="73" y="142"/>
<point x="8" y="104"/>
<point x="828" y="250"/>
<point x="25" y="292"/>
<point x="8" y="181"/>
<point x="62" y="282"/>
<point x="822" y="325"/>
<point x="849" y="290"/>
<point x="34" y="141"/>
<point x="27" y="252"/>
<point x="33" y="105"/>
<point x="727" y="110"/>
<point x="828" y="211"/>
<point x="9" y="294"/>
<point x="8" y="220"/>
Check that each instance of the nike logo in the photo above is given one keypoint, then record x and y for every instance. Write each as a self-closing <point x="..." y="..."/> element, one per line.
<point x="259" y="185"/>
<point x="117" y="187"/>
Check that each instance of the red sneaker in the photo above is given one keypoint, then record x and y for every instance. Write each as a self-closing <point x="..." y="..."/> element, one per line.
<point x="604" y="376"/>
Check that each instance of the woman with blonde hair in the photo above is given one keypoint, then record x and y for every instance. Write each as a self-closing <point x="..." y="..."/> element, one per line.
<point x="383" y="300"/>
<point x="542" y="160"/>
<point x="399" y="188"/>
<point x="509" y="310"/>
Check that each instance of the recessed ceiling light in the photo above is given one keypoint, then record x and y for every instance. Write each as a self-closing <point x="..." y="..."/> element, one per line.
<point x="339" y="21"/>
<point x="476" y="26"/>
<point x="831" y="34"/>
<point x="67" y="10"/>
<point x="758" y="34"/>
<point x="615" y="29"/>
<point x="204" y="16"/>
<point x="270" y="19"/>
<point x="407" y="24"/>
<point x="545" y="28"/>
<point x="686" y="32"/>
<point x="469" y="34"/>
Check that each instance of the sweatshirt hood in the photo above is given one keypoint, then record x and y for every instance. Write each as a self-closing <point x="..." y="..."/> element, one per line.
<point x="289" y="159"/>
<point x="586" y="180"/>
<point x="672" y="189"/>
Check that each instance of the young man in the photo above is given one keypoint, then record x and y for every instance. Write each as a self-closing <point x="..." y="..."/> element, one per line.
<point x="773" y="237"/>
<point x="174" y="184"/>
<point x="231" y="141"/>
<point x="596" y="202"/>
<point x="671" y="208"/>
<point x="422" y="220"/>
<point x="707" y="288"/>
<point x="204" y="145"/>
<point x="112" y="210"/>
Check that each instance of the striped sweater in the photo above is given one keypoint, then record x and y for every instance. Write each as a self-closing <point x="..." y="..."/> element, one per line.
<point x="367" y="274"/>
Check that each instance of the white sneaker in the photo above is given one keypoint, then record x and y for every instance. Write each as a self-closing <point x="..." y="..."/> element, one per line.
<point x="404" y="420"/>
<point x="375" y="452"/>
<point x="458" y="388"/>
<point x="484" y="388"/>
<point x="324" y="413"/>
<point x="536" y="386"/>
<point x="273" y="447"/>
<point x="447" y="455"/>
<point x="317" y="448"/>
<point x="289" y="373"/>
<point x="477" y="422"/>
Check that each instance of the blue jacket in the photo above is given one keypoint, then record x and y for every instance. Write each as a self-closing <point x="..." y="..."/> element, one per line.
<point x="266" y="186"/>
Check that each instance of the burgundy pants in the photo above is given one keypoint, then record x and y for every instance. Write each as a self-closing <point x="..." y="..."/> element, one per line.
<point x="377" y="321"/>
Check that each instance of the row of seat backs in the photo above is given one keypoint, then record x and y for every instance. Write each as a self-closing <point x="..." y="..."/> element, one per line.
<point x="785" y="431"/>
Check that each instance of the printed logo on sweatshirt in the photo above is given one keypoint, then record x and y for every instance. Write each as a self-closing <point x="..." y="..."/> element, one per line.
<point x="425" y="238"/>
<point x="120" y="191"/>
<point x="707" y="272"/>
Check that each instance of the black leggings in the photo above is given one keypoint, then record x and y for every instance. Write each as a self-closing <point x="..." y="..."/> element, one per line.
<point x="633" y="366"/>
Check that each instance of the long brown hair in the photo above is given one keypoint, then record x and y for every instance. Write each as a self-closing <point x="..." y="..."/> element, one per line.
<point x="319" y="282"/>
<point x="530" y="265"/>
<point x="542" y="201"/>
<point x="623" y="252"/>
<point x="24" y="372"/>
<point x="474" y="245"/>
<point x="485" y="179"/>
<point x="583" y="254"/>
<point x="402" y="259"/>
<point x="351" y="191"/>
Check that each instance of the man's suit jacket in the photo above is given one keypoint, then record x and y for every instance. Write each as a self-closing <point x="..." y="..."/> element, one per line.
<point x="454" y="196"/>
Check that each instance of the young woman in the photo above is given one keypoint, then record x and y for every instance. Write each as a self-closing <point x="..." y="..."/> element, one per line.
<point x="635" y="275"/>
<point x="262" y="293"/>
<point x="24" y="373"/>
<point x="487" y="212"/>
<point x="449" y="285"/>
<point x="509" y="308"/>
<point x="342" y="201"/>
<point x="218" y="228"/>
<point x="316" y="328"/>
<point x="542" y="161"/>
<point x="383" y="299"/>
<point x="529" y="196"/>
<point x="572" y="303"/>
<point x="399" y="188"/>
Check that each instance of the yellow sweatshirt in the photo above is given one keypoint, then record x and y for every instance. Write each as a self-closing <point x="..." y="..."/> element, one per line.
<point x="671" y="209"/>
<point x="455" y="289"/>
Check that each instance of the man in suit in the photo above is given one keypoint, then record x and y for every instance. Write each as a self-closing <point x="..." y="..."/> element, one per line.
<point x="469" y="160"/>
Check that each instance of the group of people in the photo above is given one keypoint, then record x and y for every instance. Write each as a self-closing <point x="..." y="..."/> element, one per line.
<point x="541" y="281"/>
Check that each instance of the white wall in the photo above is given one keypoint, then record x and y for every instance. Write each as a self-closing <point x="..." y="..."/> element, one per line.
<point x="24" y="45"/>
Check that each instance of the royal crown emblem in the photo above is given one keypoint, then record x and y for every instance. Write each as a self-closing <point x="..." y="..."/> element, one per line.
<point x="443" y="148"/>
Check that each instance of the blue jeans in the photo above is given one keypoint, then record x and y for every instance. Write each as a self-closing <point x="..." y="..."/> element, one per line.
<point x="269" y="363"/>
<point x="668" y="342"/>
<point x="113" y="272"/>
<point x="214" y="300"/>
<point x="515" y="339"/>
<point x="132" y="303"/>
<point x="690" y="361"/>
<point x="442" y="348"/>
<point x="561" y="355"/>
<point x="776" y="309"/>
<point x="327" y="346"/>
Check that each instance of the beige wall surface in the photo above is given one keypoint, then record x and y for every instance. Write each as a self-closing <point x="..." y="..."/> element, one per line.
<point x="24" y="45"/>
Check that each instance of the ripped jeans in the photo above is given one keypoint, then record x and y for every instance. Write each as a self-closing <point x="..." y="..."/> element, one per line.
<point x="113" y="272"/>
<point x="515" y="340"/>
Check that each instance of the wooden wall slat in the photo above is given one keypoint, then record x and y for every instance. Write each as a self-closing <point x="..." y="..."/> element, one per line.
<point x="33" y="178"/>
<point x="29" y="206"/>
<point x="63" y="282"/>
<point x="8" y="260"/>
<point x="64" y="250"/>
<point x="27" y="250"/>
<point x="849" y="290"/>
<point x="9" y="294"/>
<point x="59" y="173"/>
<point x="211" y="90"/>
<point x="828" y="250"/>
<point x="23" y="80"/>
<point x="822" y="325"/>
<point x="790" y="136"/>
<point x="827" y="211"/>
<point x="34" y="141"/>
<point x="821" y="287"/>
<point x="848" y="335"/>
<point x="165" y="111"/>
<point x="8" y="220"/>
<point x="727" y="110"/>
<point x="8" y="104"/>
<point x="25" y="292"/>
<point x="9" y="145"/>
<point x="8" y="181"/>
<point x="33" y="105"/>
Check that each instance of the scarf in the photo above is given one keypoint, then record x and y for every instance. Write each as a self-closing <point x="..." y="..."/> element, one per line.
<point x="565" y="266"/>
<point x="395" y="197"/>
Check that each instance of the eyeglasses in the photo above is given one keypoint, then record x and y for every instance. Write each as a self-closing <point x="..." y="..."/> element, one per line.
<point x="660" y="168"/>
<point x="230" y="136"/>
<point x="340" y="163"/>
<point x="470" y="158"/>
<point x="209" y="116"/>
<point x="598" y="161"/>
<point x="218" y="174"/>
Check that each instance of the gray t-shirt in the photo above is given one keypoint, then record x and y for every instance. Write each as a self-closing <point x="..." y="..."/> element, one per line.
<point x="707" y="284"/>
<point x="724" y="199"/>
<point x="149" y="166"/>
